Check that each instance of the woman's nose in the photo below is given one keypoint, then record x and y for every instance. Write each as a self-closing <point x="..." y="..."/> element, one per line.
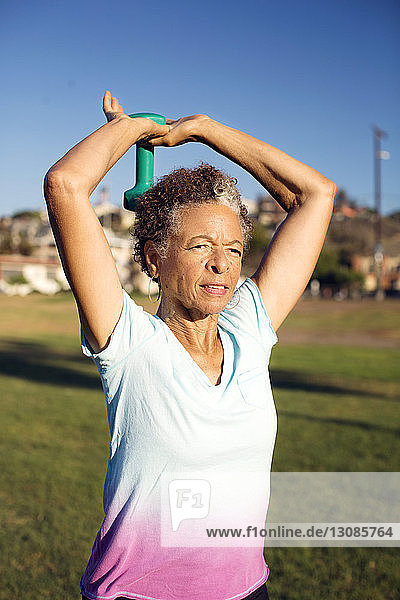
<point x="218" y="263"/>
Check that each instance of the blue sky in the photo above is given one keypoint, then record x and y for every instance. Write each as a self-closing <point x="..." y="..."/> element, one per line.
<point x="308" y="77"/>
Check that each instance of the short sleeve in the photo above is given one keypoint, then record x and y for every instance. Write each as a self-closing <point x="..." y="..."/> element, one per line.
<point x="133" y="327"/>
<point x="247" y="312"/>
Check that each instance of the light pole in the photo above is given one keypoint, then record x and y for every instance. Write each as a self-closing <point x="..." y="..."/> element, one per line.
<point x="378" y="249"/>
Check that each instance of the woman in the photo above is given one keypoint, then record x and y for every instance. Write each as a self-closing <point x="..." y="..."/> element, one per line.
<point x="188" y="394"/>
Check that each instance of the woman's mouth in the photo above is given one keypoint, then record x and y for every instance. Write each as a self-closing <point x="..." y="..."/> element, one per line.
<point x="215" y="289"/>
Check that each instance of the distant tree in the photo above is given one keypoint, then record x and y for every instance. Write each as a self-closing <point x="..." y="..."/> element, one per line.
<point x="17" y="279"/>
<point x="258" y="243"/>
<point x="342" y="199"/>
<point x="356" y="235"/>
<point x="344" y="257"/>
<point x="332" y="269"/>
<point x="6" y="246"/>
<point x="32" y="214"/>
<point x="24" y="246"/>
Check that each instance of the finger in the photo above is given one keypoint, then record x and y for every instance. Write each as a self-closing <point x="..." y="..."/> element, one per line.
<point x="161" y="137"/>
<point x="115" y="105"/>
<point x="161" y="130"/>
<point x="106" y="100"/>
<point x="162" y="140"/>
<point x="170" y="121"/>
<point x="155" y="141"/>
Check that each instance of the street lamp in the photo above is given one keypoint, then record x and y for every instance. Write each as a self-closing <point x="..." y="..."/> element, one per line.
<point x="378" y="249"/>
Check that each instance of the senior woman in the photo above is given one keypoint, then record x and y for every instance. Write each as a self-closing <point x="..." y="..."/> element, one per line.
<point x="187" y="389"/>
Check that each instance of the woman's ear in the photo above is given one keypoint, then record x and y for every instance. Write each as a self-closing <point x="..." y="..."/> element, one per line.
<point x="152" y="258"/>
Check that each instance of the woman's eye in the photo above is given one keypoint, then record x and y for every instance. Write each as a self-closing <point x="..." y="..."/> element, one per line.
<point x="207" y="246"/>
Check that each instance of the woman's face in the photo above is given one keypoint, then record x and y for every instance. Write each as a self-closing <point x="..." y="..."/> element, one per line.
<point x="204" y="259"/>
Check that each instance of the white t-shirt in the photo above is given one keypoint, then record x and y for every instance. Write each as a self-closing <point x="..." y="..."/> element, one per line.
<point x="168" y="422"/>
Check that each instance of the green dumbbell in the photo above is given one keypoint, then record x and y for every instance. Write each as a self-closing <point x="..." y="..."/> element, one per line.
<point x="144" y="166"/>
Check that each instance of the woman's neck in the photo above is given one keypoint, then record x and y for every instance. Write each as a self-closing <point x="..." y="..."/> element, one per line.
<point x="197" y="332"/>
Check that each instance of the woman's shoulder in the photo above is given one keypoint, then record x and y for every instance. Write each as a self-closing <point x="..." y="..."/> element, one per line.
<point x="246" y="312"/>
<point x="133" y="328"/>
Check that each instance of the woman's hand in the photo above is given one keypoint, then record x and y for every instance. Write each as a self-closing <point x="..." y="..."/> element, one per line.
<point x="149" y="129"/>
<point x="111" y="107"/>
<point x="181" y="131"/>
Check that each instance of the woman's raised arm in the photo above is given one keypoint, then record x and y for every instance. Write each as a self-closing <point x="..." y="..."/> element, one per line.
<point x="84" y="251"/>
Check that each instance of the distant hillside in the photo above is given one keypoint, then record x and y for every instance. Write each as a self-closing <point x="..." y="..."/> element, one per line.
<point x="357" y="234"/>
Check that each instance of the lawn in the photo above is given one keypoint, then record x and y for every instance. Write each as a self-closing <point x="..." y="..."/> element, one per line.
<point x="336" y="382"/>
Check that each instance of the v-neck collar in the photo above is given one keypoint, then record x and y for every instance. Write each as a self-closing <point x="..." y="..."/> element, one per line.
<point x="226" y="361"/>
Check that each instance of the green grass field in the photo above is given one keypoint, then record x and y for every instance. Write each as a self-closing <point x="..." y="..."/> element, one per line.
<point x="337" y="397"/>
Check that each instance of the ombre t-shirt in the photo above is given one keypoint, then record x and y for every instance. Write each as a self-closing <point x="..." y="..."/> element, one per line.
<point x="168" y="422"/>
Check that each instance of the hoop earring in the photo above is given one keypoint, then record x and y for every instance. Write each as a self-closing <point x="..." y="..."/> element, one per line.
<point x="235" y="305"/>
<point x="149" y="294"/>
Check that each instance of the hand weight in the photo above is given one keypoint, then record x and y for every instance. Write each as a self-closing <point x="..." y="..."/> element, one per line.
<point x="144" y="166"/>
